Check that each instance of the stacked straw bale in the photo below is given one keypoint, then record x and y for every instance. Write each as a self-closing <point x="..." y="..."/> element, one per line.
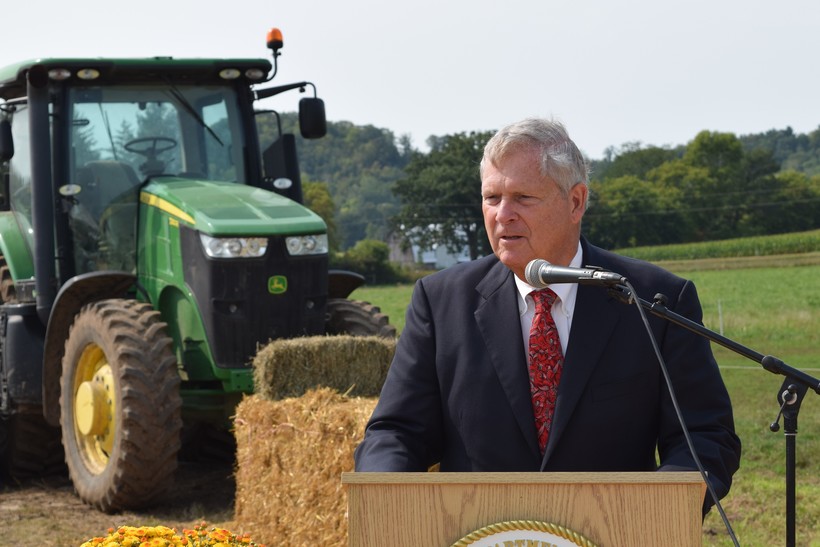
<point x="355" y="365"/>
<point x="296" y="435"/>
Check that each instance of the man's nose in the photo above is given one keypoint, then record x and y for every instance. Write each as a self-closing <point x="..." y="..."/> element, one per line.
<point x="506" y="211"/>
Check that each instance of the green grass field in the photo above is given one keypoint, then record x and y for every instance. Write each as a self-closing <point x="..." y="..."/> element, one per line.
<point x="774" y="311"/>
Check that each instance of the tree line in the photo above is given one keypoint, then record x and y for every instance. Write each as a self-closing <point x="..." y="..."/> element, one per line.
<point x="369" y="184"/>
<point x="718" y="186"/>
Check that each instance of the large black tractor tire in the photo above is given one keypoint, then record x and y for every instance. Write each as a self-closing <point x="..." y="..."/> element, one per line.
<point x="29" y="447"/>
<point x="357" y="318"/>
<point x="120" y="405"/>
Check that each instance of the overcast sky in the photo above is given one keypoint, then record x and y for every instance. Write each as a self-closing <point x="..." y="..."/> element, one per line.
<point x="654" y="71"/>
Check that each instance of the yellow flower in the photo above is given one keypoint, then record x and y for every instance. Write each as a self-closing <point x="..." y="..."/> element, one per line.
<point x="162" y="536"/>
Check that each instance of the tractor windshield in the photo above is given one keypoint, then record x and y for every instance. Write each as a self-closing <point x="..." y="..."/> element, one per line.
<point x="121" y="136"/>
<point x="156" y="130"/>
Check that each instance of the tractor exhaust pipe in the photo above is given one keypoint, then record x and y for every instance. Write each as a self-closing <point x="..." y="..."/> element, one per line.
<point x="42" y="198"/>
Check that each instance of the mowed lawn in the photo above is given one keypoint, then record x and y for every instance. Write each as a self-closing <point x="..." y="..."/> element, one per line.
<point x="774" y="311"/>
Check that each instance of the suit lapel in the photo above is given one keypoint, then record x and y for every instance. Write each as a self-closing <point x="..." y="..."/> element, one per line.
<point x="594" y="318"/>
<point x="500" y="326"/>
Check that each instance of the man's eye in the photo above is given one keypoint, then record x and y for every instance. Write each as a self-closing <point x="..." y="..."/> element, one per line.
<point x="491" y="200"/>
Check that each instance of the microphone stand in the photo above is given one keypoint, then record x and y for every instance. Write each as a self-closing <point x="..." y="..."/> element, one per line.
<point x="790" y="395"/>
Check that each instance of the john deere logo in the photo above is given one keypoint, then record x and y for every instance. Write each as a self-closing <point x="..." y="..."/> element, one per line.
<point x="277" y="284"/>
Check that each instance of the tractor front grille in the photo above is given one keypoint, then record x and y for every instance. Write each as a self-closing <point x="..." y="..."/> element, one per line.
<point x="246" y="302"/>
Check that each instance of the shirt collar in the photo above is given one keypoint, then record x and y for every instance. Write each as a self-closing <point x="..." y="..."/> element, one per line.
<point x="566" y="291"/>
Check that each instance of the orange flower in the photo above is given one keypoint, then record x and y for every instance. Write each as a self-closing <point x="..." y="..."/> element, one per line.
<point x="162" y="536"/>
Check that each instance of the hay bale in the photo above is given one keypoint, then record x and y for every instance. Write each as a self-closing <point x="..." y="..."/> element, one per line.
<point x="290" y="457"/>
<point x="356" y="365"/>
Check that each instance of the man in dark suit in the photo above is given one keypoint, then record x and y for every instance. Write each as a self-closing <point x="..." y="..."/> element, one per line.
<point x="458" y="392"/>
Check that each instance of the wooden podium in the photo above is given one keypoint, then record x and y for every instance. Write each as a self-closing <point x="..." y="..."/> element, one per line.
<point x="607" y="509"/>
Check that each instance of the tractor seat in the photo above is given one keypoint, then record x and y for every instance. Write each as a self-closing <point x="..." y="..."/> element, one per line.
<point x="103" y="181"/>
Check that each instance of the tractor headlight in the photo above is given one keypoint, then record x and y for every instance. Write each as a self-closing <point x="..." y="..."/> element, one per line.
<point x="233" y="247"/>
<point x="307" y="245"/>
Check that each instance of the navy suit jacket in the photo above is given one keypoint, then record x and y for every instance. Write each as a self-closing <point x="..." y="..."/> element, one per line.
<point x="457" y="392"/>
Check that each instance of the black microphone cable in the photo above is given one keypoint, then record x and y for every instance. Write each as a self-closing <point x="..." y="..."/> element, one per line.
<point x="679" y="414"/>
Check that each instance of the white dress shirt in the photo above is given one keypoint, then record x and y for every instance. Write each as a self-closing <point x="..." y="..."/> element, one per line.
<point x="562" y="310"/>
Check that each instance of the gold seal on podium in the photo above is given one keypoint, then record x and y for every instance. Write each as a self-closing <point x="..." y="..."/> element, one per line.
<point x="524" y="532"/>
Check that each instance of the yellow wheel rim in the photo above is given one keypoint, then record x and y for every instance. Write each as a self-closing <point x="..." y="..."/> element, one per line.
<point x="94" y="408"/>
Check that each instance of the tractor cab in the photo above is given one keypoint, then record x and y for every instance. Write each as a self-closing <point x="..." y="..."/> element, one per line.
<point x="118" y="124"/>
<point x="122" y="136"/>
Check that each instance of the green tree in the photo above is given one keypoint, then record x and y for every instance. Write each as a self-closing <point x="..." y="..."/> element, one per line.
<point x="441" y="195"/>
<point x="629" y="211"/>
<point x="366" y="212"/>
<point x="359" y="164"/>
<point x="318" y="199"/>
<point x="632" y="160"/>
<point x="714" y="190"/>
<point x="792" y="206"/>
<point x="369" y="258"/>
<point x="791" y="151"/>
<point x="725" y="202"/>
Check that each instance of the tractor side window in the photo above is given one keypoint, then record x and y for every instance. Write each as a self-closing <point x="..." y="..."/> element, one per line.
<point x="20" y="174"/>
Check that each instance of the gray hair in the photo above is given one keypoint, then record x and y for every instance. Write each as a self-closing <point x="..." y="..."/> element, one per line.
<point x="561" y="160"/>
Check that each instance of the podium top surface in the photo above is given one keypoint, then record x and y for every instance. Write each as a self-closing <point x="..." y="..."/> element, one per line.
<point x="646" y="477"/>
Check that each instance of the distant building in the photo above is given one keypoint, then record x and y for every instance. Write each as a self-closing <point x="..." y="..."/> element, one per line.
<point x="399" y="254"/>
<point x="437" y="258"/>
<point x="440" y="257"/>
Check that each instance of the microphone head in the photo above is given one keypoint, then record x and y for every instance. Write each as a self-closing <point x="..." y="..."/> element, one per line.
<point x="532" y="273"/>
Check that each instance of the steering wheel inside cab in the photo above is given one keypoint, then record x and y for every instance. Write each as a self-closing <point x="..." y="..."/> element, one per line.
<point x="150" y="148"/>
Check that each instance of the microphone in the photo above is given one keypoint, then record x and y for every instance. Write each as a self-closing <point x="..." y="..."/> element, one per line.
<point x="540" y="273"/>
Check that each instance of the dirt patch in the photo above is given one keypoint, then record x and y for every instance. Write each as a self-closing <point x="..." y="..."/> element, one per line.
<point x="46" y="512"/>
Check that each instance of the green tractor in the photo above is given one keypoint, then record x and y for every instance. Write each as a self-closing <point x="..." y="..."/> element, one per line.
<point x="149" y="243"/>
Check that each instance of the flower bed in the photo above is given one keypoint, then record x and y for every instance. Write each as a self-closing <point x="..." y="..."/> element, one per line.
<point x="162" y="536"/>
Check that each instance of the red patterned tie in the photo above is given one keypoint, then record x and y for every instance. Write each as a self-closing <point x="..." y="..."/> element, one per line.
<point x="546" y="361"/>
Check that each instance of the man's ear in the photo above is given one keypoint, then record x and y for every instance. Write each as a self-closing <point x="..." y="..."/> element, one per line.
<point x="578" y="200"/>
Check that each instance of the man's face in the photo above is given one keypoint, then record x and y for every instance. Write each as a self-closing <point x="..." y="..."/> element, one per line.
<point x="526" y="215"/>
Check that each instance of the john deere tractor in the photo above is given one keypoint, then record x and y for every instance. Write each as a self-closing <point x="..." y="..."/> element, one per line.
<point x="149" y="243"/>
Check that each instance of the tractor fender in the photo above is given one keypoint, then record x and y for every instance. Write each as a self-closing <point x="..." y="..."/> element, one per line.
<point x="340" y="283"/>
<point x="74" y="294"/>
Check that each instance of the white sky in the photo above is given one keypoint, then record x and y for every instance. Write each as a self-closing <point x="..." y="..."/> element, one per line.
<point x="655" y="71"/>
